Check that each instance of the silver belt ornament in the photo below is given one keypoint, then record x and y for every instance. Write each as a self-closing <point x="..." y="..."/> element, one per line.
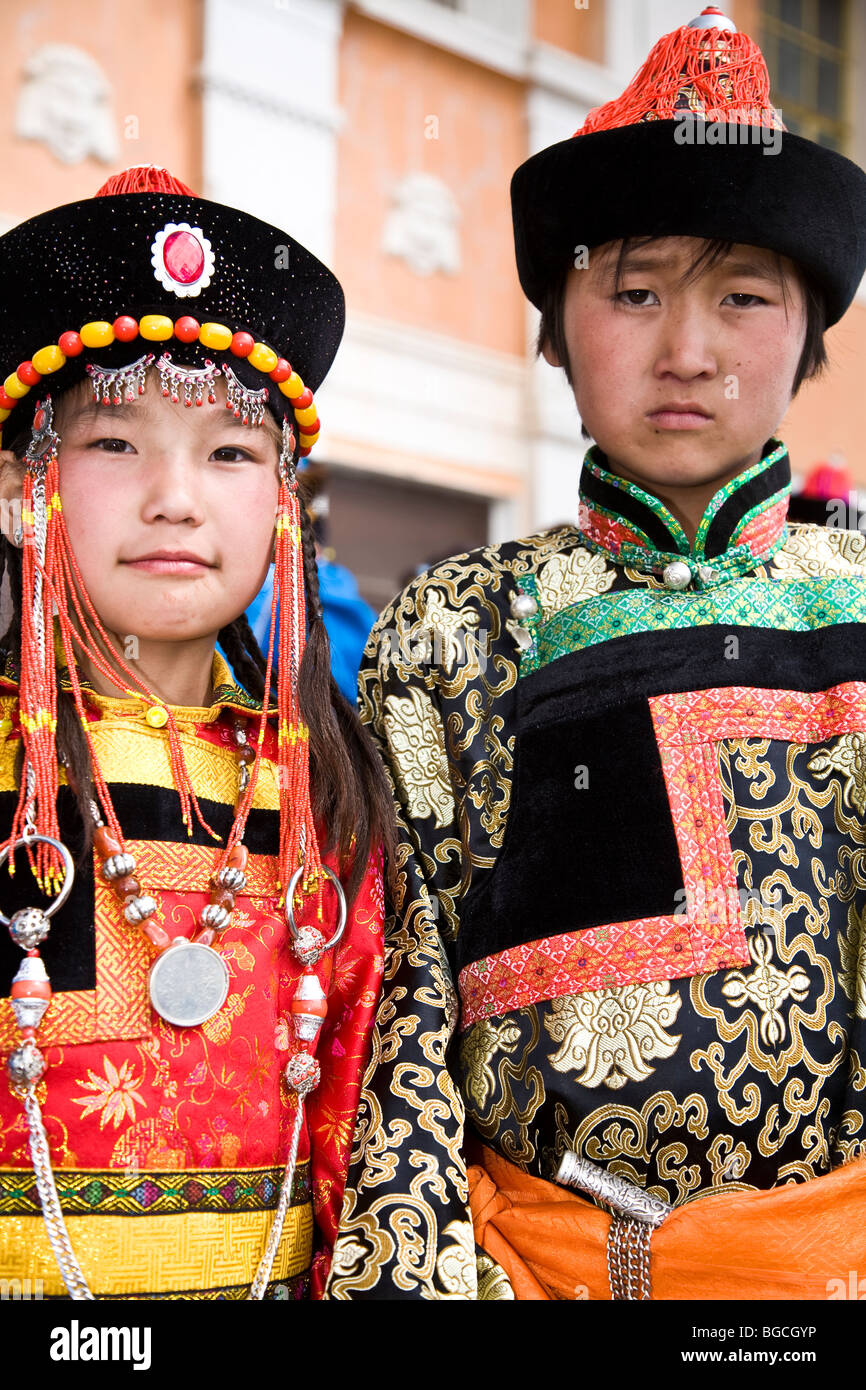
<point x="635" y="1214"/>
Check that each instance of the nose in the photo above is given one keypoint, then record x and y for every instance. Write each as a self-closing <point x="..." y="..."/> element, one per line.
<point x="172" y="493"/>
<point x="686" y="348"/>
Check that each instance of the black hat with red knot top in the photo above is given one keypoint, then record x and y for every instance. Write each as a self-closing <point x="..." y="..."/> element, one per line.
<point x="693" y="147"/>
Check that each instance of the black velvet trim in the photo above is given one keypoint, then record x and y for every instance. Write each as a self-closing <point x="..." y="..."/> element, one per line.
<point x="578" y="856"/>
<point x="145" y="813"/>
<point x="623" y="503"/>
<point x="804" y="201"/>
<point x="758" y="489"/>
<point x="644" y="664"/>
<point x="575" y="857"/>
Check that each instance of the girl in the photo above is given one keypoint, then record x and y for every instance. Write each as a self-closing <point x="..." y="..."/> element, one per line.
<point x="196" y="853"/>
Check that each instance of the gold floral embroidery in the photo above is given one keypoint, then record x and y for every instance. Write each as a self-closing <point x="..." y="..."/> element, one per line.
<point x="848" y="758"/>
<point x="852" y="975"/>
<point x="480" y="1045"/>
<point x="448" y="635"/>
<point x="767" y="987"/>
<point x="115" y="1095"/>
<point x="415" y="735"/>
<point x="813" y="550"/>
<point x="576" y="575"/>
<point x="493" y="1285"/>
<point x="610" y="1036"/>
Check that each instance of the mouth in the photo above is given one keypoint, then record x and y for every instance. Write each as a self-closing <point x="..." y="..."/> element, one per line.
<point x="170" y="562"/>
<point x="674" y="416"/>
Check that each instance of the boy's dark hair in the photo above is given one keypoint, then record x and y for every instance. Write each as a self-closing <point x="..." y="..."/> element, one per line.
<point x="349" y="791"/>
<point x="813" y="358"/>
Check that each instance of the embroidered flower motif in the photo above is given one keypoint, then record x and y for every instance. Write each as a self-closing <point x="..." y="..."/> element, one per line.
<point x="115" y="1095"/>
<point x="816" y="550"/>
<point x="575" y="575"/>
<point x="768" y="987"/>
<point x="479" y="1047"/>
<point x="848" y="758"/>
<point x="610" y="1036"/>
<point x="415" y="736"/>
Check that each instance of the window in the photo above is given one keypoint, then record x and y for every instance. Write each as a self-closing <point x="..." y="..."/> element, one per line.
<point x="804" y="43"/>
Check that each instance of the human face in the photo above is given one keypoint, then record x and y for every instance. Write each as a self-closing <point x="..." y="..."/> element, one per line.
<point x="170" y="512"/>
<point x="725" y="343"/>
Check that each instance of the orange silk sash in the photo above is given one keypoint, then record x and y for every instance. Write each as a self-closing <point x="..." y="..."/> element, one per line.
<point x="804" y="1240"/>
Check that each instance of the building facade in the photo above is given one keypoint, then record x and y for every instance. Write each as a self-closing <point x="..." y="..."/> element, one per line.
<point x="383" y="135"/>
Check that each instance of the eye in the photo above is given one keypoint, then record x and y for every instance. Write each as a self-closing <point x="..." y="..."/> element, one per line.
<point x="627" y="297"/>
<point x="229" y="453"/>
<point x="756" y="298"/>
<point x="112" y="446"/>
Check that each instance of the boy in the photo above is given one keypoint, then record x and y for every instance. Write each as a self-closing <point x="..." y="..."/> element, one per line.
<point x="633" y="814"/>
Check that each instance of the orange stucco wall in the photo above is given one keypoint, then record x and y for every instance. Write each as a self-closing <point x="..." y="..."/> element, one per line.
<point x="830" y="414"/>
<point x="150" y="55"/>
<point x="390" y="85"/>
<point x="580" y="31"/>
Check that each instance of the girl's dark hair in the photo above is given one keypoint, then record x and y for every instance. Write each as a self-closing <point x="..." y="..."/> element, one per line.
<point x="813" y="358"/>
<point x="350" y="794"/>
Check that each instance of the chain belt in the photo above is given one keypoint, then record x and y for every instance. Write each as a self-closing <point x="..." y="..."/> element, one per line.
<point x="635" y="1215"/>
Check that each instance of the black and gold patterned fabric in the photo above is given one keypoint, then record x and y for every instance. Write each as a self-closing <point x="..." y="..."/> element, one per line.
<point x="631" y="779"/>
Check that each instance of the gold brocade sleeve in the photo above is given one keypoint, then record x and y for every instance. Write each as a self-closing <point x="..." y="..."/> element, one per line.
<point x="437" y="690"/>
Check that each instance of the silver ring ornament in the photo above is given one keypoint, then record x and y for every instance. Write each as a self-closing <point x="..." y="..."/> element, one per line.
<point x="68" y="870"/>
<point x="290" y="911"/>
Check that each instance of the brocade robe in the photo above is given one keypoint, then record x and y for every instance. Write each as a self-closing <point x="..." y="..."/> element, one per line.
<point x="169" y="1144"/>
<point x="633" y="839"/>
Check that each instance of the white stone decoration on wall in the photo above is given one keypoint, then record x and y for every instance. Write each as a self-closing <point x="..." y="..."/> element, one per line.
<point x="422" y="227"/>
<point x="65" y="104"/>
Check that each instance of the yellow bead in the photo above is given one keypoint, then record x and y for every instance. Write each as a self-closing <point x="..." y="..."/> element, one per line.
<point x="96" y="335"/>
<point x="156" y="327"/>
<point x="293" y="387"/>
<point x="307" y="415"/>
<point x="4" y="415"/>
<point x="49" y="359"/>
<point x="13" y="386"/>
<point x="308" y="440"/>
<point x="216" y="336"/>
<point x="156" y="716"/>
<point x="263" y="358"/>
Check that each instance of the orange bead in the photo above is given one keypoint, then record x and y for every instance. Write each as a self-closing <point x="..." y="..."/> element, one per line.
<point x="126" y="887"/>
<point x="238" y="856"/>
<point x="104" y="842"/>
<point x="155" y="934"/>
<point x="223" y="897"/>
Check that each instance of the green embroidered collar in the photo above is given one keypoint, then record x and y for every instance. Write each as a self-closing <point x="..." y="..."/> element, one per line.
<point x="743" y="526"/>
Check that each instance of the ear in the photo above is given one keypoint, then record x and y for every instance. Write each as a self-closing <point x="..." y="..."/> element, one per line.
<point x="11" y="477"/>
<point x="549" y="355"/>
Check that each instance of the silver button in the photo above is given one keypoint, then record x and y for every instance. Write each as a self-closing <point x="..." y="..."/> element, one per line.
<point x="708" y="574"/>
<point x="523" y="605"/>
<point x="677" y="575"/>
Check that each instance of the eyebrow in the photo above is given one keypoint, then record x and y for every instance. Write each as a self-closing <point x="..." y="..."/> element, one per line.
<point x="754" y="269"/>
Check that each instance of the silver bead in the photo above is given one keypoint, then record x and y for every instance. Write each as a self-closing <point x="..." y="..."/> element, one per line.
<point x="118" y="866"/>
<point x="215" y="916"/>
<point x="28" y="927"/>
<point x="233" y="879"/>
<point x="29" y="1012"/>
<point x="137" y="909"/>
<point x="302" y="1073"/>
<point x="707" y="574"/>
<point x="522" y="637"/>
<point x="26" y="1065"/>
<point x="677" y="575"/>
<point x="712" y="21"/>
<point x="523" y="606"/>
<point x="308" y="945"/>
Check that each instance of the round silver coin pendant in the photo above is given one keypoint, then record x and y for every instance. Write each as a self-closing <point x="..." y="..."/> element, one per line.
<point x="188" y="983"/>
